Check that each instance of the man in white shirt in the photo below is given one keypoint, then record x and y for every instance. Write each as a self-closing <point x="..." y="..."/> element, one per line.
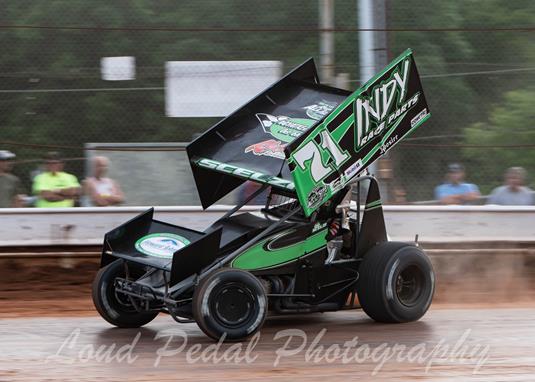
<point x="513" y="193"/>
<point x="100" y="190"/>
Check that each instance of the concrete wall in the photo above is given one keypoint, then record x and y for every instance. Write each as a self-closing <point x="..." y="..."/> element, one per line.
<point x="87" y="226"/>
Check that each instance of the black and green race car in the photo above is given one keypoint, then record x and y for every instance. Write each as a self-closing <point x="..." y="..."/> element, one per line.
<point x="307" y="147"/>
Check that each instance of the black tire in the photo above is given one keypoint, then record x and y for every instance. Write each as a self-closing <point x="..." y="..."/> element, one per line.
<point x="230" y="302"/>
<point x="118" y="313"/>
<point x="396" y="283"/>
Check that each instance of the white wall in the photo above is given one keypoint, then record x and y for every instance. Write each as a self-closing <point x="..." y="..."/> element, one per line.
<point x="79" y="226"/>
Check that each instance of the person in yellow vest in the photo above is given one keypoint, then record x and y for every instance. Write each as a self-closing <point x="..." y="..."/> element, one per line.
<point x="55" y="188"/>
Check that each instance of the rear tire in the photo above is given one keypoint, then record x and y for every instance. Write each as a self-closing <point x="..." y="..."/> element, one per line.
<point x="231" y="303"/>
<point x="117" y="312"/>
<point x="396" y="283"/>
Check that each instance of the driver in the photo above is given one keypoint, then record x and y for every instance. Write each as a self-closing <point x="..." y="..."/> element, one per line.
<point x="339" y="233"/>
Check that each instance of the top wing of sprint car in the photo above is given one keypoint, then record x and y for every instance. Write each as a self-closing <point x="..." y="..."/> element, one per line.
<point x="307" y="139"/>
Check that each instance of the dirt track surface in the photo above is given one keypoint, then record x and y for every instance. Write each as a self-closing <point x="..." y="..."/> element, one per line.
<point x="448" y="344"/>
<point x="480" y="328"/>
<point x="487" y="276"/>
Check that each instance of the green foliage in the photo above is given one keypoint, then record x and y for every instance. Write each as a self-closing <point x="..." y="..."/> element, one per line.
<point x="509" y="123"/>
<point x="458" y="101"/>
<point x="38" y="59"/>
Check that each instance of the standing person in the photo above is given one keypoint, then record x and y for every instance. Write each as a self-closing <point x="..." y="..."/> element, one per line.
<point x="10" y="194"/>
<point x="513" y="192"/>
<point x="53" y="187"/>
<point x="100" y="190"/>
<point x="455" y="190"/>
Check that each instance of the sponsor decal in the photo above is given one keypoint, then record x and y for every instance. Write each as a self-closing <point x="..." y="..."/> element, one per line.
<point x="353" y="169"/>
<point x="421" y="115"/>
<point x="270" y="148"/>
<point x="284" y="128"/>
<point x="320" y="110"/>
<point x="388" y="144"/>
<point x="161" y="245"/>
<point x="373" y="114"/>
<point x="316" y="196"/>
<point x="337" y="184"/>
<point x="319" y="226"/>
<point x="245" y="174"/>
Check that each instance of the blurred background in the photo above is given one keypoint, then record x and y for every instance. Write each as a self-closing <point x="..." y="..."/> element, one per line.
<point x="135" y="81"/>
<point x="60" y="91"/>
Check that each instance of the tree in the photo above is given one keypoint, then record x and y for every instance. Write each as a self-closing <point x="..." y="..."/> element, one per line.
<point x="40" y="59"/>
<point x="509" y="123"/>
<point x="457" y="100"/>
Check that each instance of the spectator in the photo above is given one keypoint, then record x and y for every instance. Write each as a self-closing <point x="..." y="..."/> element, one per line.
<point x="99" y="190"/>
<point x="513" y="192"/>
<point x="53" y="187"/>
<point x="455" y="191"/>
<point x="10" y="189"/>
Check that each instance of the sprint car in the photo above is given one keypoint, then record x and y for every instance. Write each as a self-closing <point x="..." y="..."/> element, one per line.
<point x="312" y="247"/>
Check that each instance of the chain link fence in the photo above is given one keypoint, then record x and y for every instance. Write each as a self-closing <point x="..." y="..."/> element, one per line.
<point x="476" y="60"/>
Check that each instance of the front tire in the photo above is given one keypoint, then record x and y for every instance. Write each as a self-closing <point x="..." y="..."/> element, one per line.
<point x="396" y="283"/>
<point x="230" y="303"/>
<point x="112" y="308"/>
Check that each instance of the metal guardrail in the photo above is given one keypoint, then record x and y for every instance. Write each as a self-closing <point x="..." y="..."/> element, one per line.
<point x="86" y="226"/>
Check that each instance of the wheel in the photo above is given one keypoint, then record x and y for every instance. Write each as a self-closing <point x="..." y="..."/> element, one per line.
<point x="396" y="282"/>
<point x="113" y="307"/>
<point x="230" y="302"/>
